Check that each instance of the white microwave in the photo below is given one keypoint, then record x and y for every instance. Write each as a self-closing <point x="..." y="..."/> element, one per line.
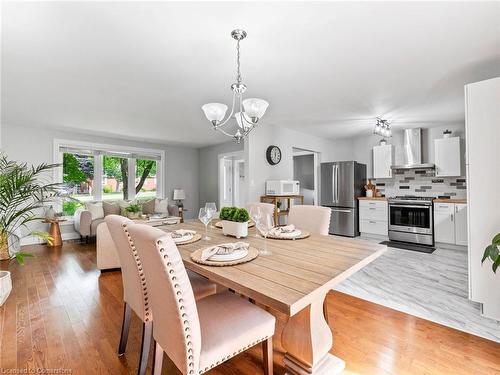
<point x="282" y="187"/>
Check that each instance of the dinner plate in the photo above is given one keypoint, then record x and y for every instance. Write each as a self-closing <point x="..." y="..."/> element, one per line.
<point x="235" y="255"/>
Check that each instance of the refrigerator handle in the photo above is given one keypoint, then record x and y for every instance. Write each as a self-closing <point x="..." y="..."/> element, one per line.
<point x="337" y="183"/>
<point x="333" y="182"/>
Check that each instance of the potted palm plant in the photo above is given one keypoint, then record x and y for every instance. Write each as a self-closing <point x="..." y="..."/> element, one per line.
<point x="234" y="221"/>
<point x="23" y="193"/>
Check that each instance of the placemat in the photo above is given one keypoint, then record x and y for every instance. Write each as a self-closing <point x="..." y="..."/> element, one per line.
<point x="196" y="257"/>
<point x="219" y="224"/>
<point x="303" y="235"/>
<point x="195" y="238"/>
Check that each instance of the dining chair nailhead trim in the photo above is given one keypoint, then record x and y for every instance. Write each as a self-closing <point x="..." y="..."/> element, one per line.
<point x="145" y="297"/>
<point x="187" y="329"/>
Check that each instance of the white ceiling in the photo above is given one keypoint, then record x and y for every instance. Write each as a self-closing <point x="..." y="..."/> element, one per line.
<point x="141" y="69"/>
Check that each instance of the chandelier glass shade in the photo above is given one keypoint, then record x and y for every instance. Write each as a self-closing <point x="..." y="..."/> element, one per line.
<point x="383" y="128"/>
<point x="247" y="112"/>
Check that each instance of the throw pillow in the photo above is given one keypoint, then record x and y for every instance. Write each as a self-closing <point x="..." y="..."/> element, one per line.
<point x="96" y="210"/>
<point x="111" y="208"/>
<point x="161" y="206"/>
<point x="148" y="208"/>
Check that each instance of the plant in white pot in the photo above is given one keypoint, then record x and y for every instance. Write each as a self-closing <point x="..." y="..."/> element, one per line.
<point x="234" y="221"/>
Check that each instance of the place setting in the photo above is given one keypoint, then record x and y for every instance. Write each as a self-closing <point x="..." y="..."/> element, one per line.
<point x="185" y="236"/>
<point x="287" y="232"/>
<point x="227" y="254"/>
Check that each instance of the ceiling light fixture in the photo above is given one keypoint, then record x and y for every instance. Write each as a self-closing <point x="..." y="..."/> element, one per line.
<point x="248" y="112"/>
<point x="383" y="128"/>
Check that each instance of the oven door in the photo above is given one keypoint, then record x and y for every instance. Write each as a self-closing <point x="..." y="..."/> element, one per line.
<point x="410" y="218"/>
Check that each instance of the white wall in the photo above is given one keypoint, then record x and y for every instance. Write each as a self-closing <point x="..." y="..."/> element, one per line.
<point x="362" y="146"/>
<point x="259" y="170"/>
<point x="35" y="145"/>
<point x="209" y="169"/>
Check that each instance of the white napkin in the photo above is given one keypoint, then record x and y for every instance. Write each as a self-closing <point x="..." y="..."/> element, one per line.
<point x="179" y="233"/>
<point x="225" y="248"/>
<point x="278" y="231"/>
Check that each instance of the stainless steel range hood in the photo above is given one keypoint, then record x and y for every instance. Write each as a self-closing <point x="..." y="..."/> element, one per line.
<point x="412" y="151"/>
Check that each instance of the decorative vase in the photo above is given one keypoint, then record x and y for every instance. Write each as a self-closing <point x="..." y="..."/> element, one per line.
<point x="235" y="229"/>
<point x="5" y="286"/>
<point x="50" y="214"/>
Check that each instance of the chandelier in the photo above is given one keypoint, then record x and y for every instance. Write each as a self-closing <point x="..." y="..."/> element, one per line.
<point x="383" y="128"/>
<point x="246" y="112"/>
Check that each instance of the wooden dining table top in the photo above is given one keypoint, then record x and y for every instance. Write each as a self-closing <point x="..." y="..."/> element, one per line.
<point x="295" y="274"/>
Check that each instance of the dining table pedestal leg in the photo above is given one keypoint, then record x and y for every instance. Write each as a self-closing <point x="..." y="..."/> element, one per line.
<point x="307" y="340"/>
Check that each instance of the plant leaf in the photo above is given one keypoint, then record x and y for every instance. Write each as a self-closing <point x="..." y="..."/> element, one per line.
<point x="496" y="239"/>
<point x="494" y="253"/>
<point x="495" y="265"/>
<point x="21" y="255"/>
<point x="486" y="254"/>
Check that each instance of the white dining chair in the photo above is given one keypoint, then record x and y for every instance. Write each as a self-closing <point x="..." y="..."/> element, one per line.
<point x="314" y="219"/>
<point x="196" y="335"/>
<point x="135" y="296"/>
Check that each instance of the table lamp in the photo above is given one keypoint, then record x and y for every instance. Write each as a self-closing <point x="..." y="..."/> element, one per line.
<point x="179" y="196"/>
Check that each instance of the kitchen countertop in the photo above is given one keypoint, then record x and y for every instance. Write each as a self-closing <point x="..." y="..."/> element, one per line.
<point x="372" y="198"/>
<point x="450" y="200"/>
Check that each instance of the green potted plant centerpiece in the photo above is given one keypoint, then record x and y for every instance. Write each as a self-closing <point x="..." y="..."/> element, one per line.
<point x="234" y="221"/>
<point x="133" y="211"/>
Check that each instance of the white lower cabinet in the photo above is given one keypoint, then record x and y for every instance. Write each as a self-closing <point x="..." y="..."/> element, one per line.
<point x="373" y="217"/>
<point x="450" y="223"/>
<point x="461" y="224"/>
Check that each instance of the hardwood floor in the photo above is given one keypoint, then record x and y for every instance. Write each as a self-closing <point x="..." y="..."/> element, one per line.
<point x="63" y="314"/>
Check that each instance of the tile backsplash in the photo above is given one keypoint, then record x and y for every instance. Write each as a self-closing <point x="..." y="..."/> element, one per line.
<point x="421" y="182"/>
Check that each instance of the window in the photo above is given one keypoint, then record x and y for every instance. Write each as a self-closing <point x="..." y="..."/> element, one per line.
<point x="78" y="176"/>
<point x="107" y="172"/>
<point x="145" y="179"/>
<point x="114" y="178"/>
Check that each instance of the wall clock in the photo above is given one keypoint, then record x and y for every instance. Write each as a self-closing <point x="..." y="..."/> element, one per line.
<point x="273" y="155"/>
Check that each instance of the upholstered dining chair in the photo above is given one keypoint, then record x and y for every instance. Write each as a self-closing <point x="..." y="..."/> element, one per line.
<point x="314" y="219"/>
<point x="196" y="335"/>
<point x="265" y="208"/>
<point x="134" y="287"/>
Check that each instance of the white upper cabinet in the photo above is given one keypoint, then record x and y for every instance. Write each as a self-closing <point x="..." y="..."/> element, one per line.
<point x="383" y="159"/>
<point x="447" y="156"/>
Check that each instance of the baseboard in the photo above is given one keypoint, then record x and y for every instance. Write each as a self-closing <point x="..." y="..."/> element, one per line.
<point x="33" y="240"/>
<point x="378" y="237"/>
<point x="450" y="246"/>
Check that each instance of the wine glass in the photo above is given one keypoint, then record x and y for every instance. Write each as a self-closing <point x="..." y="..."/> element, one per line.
<point x="255" y="215"/>
<point x="205" y="216"/>
<point x="212" y="208"/>
<point x="264" y="226"/>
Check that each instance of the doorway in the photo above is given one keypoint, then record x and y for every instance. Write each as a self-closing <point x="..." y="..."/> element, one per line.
<point x="231" y="179"/>
<point x="305" y="170"/>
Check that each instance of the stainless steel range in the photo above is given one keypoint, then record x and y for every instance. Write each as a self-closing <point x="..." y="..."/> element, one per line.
<point x="411" y="220"/>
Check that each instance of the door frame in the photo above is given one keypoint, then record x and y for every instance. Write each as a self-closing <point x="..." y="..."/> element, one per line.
<point x="239" y="154"/>
<point x="296" y="151"/>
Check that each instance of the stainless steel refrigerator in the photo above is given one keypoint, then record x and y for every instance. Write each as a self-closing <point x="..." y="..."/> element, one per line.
<point x="341" y="184"/>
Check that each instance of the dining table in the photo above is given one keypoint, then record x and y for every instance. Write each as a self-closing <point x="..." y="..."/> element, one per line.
<point x="293" y="279"/>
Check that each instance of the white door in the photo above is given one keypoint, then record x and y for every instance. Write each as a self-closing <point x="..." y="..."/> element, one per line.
<point x="444" y="223"/>
<point x="226" y="188"/>
<point x="461" y="224"/>
<point x="447" y="156"/>
<point x="382" y="160"/>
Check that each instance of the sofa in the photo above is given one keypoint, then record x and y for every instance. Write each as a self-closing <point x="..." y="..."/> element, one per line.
<point x="87" y="219"/>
